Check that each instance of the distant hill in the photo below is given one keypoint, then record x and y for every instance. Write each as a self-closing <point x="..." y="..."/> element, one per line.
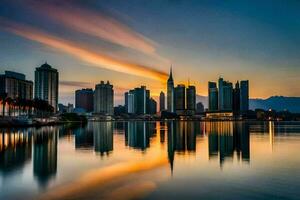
<point x="277" y="103"/>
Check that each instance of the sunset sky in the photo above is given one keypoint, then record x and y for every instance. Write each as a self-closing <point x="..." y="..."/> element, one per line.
<point x="134" y="42"/>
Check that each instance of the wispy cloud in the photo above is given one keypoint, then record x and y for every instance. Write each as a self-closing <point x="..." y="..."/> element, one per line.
<point x="75" y="84"/>
<point x="97" y="25"/>
<point x="80" y="52"/>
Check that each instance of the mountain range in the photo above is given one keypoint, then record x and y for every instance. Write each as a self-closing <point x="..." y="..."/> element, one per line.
<point x="278" y="103"/>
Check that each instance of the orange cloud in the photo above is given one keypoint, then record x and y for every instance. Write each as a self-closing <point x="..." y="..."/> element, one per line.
<point x="82" y="53"/>
<point x="97" y="25"/>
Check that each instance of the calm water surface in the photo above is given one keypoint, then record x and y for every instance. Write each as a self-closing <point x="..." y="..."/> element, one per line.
<point x="152" y="160"/>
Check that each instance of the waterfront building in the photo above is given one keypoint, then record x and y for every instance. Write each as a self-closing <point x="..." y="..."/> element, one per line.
<point x="140" y="100"/>
<point x="15" y="85"/>
<point x="244" y="96"/>
<point x="212" y="96"/>
<point x="225" y="95"/>
<point x="84" y="99"/>
<point x="137" y="101"/>
<point x="200" y="108"/>
<point x="104" y="98"/>
<point x="130" y="102"/>
<point x="191" y="99"/>
<point x="46" y="85"/>
<point x="153" y="106"/>
<point x="170" y="93"/>
<point x="236" y="98"/>
<point x="179" y="96"/>
<point x="232" y="102"/>
<point x="162" y="101"/>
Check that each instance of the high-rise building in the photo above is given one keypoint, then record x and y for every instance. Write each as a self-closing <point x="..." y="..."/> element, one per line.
<point x="153" y="106"/>
<point x="212" y="96"/>
<point x="179" y="96"/>
<point x="126" y="101"/>
<point x="104" y="98"/>
<point x="170" y="93"/>
<point x="225" y="95"/>
<point x="84" y="99"/>
<point x="130" y="102"/>
<point x="244" y="96"/>
<point x="140" y="100"/>
<point x="15" y="85"/>
<point x="191" y="99"/>
<point x="236" y="98"/>
<point x="162" y="101"/>
<point x="226" y="98"/>
<point x="200" y="107"/>
<point x="46" y="84"/>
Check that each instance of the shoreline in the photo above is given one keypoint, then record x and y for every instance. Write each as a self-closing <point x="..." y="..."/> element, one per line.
<point x="13" y="123"/>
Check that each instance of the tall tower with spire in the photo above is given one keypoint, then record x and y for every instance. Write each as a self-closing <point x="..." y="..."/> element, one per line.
<point x="170" y="92"/>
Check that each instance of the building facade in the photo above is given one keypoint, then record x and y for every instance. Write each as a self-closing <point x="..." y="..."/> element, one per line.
<point x="84" y="99"/>
<point x="228" y="99"/>
<point x="244" y="96"/>
<point x="162" y="101"/>
<point x="46" y="85"/>
<point x="170" y="93"/>
<point x="236" y="98"/>
<point x="104" y="98"/>
<point x="212" y="96"/>
<point x="153" y="106"/>
<point x="179" y="96"/>
<point x="191" y="99"/>
<point x="15" y="85"/>
<point x="225" y="95"/>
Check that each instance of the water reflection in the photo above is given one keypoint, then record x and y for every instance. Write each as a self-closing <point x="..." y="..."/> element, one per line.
<point x="45" y="154"/>
<point x="227" y="138"/>
<point x="103" y="137"/>
<point x="213" y="144"/>
<point x="138" y="133"/>
<point x="84" y="137"/>
<point x="15" y="149"/>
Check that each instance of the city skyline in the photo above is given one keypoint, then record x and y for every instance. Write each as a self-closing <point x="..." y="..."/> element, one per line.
<point x="252" y="44"/>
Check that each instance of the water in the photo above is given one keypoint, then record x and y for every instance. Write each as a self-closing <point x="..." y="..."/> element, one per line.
<point x="152" y="160"/>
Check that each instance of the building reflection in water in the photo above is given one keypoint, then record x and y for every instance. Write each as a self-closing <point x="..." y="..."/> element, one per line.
<point x="181" y="138"/>
<point x="103" y="137"/>
<point x="45" y="154"/>
<point x="138" y="133"/>
<point x="84" y="138"/>
<point x="226" y="138"/>
<point x="15" y="149"/>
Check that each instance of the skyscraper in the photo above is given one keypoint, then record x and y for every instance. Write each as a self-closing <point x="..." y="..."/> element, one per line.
<point x="162" y="101"/>
<point x="244" y="96"/>
<point x="130" y="108"/>
<point x="84" y="99"/>
<point x="153" y="106"/>
<point x="236" y="98"/>
<point x="212" y="96"/>
<point x="179" y="96"/>
<point x="104" y="98"/>
<point x="225" y="95"/>
<point x="200" y="107"/>
<point x="170" y="93"/>
<point x="140" y="100"/>
<point x="191" y="99"/>
<point x="46" y="84"/>
<point x="15" y="85"/>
